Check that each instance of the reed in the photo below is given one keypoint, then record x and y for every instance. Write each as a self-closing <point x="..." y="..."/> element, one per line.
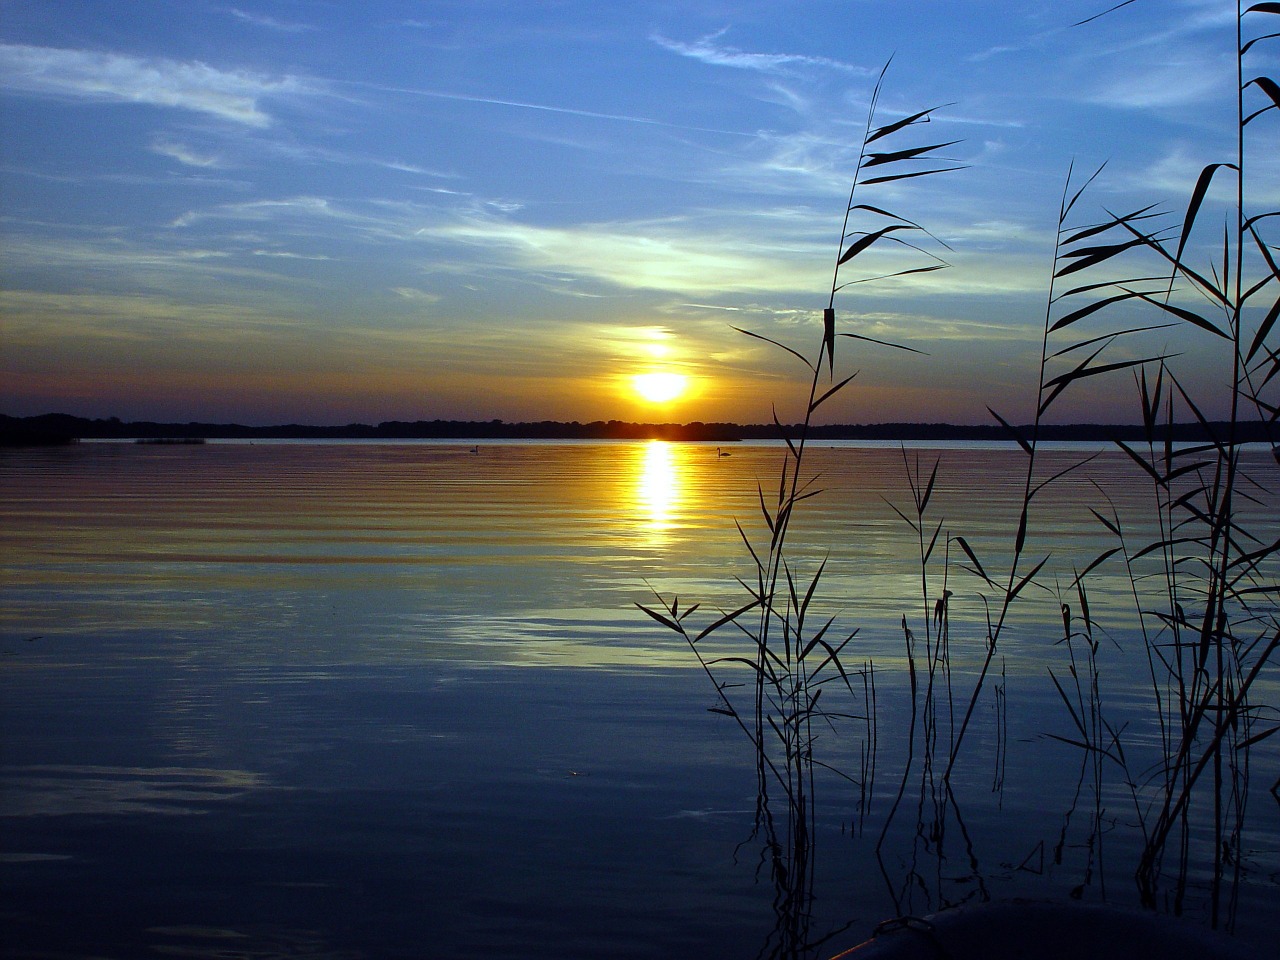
<point x="793" y="656"/>
<point x="1205" y="588"/>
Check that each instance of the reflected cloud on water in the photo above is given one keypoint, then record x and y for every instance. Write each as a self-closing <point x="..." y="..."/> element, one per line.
<point x="61" y="790"/>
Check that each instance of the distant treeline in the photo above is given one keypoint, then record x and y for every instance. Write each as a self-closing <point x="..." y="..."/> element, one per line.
<point x="63" y="428"/>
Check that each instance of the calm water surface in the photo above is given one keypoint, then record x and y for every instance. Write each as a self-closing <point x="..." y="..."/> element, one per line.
<point x="374" y="700"/>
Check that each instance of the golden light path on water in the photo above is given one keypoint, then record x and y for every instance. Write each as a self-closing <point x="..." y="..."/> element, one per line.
<point x="658" y="486"/>
<point x="312" y="554"/>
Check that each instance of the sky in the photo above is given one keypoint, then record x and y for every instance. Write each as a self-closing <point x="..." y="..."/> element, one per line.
<point x="272" y="211"/>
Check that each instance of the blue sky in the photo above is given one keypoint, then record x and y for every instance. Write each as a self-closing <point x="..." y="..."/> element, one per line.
<point x="318" y="211"/>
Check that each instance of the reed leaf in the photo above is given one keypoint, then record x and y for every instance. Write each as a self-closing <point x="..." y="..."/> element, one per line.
<point x="1074" y="291"/>
<point x="881" y="132"/>
<point x="1083" y="371"/>
<point x="1153" y="243"/>
<point x="1164" y="544"/>
<point x="795" y="453"/>
<point x="1271" y="89"/>
<point x="1068" y="204"/>
<point x="973" y="558"/>
<point x="1066" y="699"/>
<point x="775" y="343"/>
<point x="923" y="502"/>
<point x="764" y="509"/>
<point x="1257" y="287"/>
<point x="1151" y="402"/>
<point x="833" y="657"/>
<point x="911" y="523"/>
<point x="1108" y="337"/>
<point x="1266" y="36"/>
<point x="1256" y="738"/>
<point x="1197" y="198"/>
<point x="884" y="213"/>
<point x="866" y="240"/>
<point x="755" y="558"/>
<point x="1263" y="331"/>
<point x="1094" y="307"/>
<point x="751" y="665"/>
<point x="817" y="640"/>
<point x="886" y="343"/>
<point x="829" y="338"/>
<point x="1096" y="562"/>
<point x="1013" y="432"/>
<point x="836" y="389"/>
<point x="662" y="619"/>
<point x="1109" y="524"/>
<point x="933" y="541"/>
<point x="726" y="618"/>
<point x="1084" y="233"/>
<point x="1086" y="746"/>
<point x="1068" y="469"/>
<point x="890" y="276"/>
<point x="910" y="176"/>
<point x="1087" y="257"/>
<point x="1028" y="578"/>
<point x="1098" y="16"/>
<point x="910" y="153"/>
<point x="813" y="586"/>
<point x="1024" y="518"/>
<point x="895" y="216"/>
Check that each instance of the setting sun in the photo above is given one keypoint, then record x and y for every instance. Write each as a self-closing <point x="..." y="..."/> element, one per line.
<point x="660" y="387"/>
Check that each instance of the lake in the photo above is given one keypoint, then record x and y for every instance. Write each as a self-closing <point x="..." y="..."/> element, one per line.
<point x="397" y="700"/>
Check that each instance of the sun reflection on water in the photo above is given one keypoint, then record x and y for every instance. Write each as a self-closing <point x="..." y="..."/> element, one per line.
<point x="658" y="491"/>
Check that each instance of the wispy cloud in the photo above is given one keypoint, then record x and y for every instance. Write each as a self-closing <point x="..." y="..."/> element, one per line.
<point x="708" y="51"/>
<point x="1173" y="82"/>
<point x="655" y="255"/>
<point x="310" y="219"/>
<point x="1172" y="175"/>
<point x="143" y="265"/>
<point x="416" y="295"/>
<point x="270" y="23"/>
<point x="544" y="108"/>
<point x="34" y="317"/>
<point x="401" y="166"/>
<point x="184" y="154"/>
<point x="232" y="95"/>
<point x="289" y="255"/>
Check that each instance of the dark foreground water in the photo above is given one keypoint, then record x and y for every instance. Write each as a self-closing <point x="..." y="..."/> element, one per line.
<point x="346" y="700"/>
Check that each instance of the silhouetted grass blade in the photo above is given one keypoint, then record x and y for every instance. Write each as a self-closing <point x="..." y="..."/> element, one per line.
<point x="1197" y="198"/>
<point x="882" y="132"/>
<point x="1271" y="89"/>
<point x="911" y="153"/>
<point x="866" y="240"/>
<point x="909" y="176"/>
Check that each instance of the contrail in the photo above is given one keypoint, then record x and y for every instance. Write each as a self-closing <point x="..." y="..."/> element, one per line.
<point x="547" y="108"/>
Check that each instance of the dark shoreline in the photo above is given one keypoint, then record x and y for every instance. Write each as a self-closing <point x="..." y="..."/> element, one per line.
<point x="55" y="428"/>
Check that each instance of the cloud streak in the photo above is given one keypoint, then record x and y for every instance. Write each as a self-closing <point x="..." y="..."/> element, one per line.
<point x="545" y="108"/>
<point x="184" y="154"/>
<point x="118" y="78"/>
<point x="706" y="50"/>
<point x="270" y="23"/>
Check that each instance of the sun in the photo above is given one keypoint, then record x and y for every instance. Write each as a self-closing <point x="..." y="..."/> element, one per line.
<point x="660" y="386"/>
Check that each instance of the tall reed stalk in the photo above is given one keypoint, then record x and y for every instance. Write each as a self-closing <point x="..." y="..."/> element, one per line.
<point x="1205" y="588"/>
<point x="791" y="659"/>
